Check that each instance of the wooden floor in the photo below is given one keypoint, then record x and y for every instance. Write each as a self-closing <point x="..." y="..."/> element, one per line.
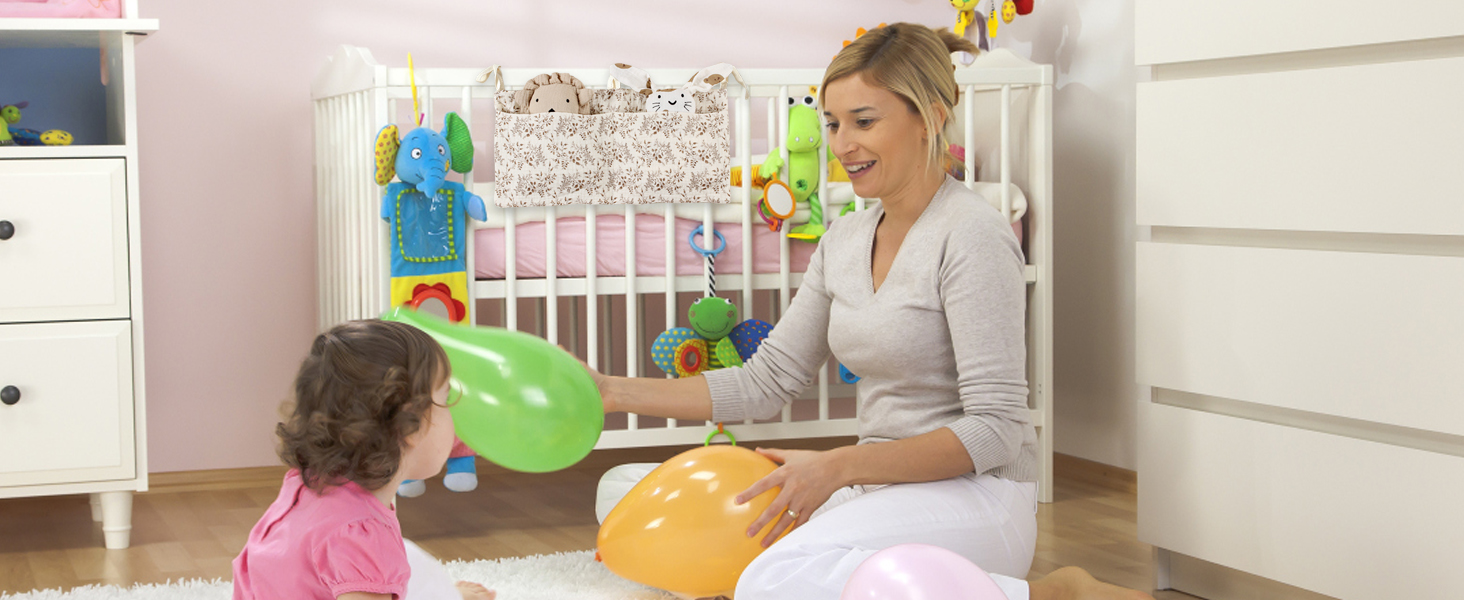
<point x="187" y="527"/>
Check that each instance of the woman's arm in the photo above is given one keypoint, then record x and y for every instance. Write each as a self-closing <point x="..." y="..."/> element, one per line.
<point x="785" y="364"/>
<point x="687" y="398"/>
<point x="929" y="456"/>
<point x="984" y="297"/>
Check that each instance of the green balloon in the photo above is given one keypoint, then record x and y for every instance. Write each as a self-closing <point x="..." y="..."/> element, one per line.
<point x="522" y="402"/>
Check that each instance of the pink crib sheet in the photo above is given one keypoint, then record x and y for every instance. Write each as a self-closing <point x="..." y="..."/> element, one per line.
<point x="650" y="248"/>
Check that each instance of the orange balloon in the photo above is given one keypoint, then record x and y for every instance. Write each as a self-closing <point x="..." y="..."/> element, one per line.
<point x="681" y="530"/>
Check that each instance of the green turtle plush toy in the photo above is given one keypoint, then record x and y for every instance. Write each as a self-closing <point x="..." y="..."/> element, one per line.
<point x="716" y="339"/>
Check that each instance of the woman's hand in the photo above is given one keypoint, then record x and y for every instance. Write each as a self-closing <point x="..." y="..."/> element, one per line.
<point x="807" y="478"/>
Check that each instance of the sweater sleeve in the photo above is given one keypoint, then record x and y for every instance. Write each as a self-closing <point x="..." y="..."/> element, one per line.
<point x="983" y="292"/>
<point x="787" y="361"/>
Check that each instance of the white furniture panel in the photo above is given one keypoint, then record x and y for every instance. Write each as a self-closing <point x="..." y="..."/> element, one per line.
<point x="1373" y="148"/>
<point x="66" y="258"/>
<point x="74" y="419"/>
<point x="72" y="400"/>
<point x="1167" y="31"/>
<point x="1374" y="337"/>
<point x="1348" y="518"/>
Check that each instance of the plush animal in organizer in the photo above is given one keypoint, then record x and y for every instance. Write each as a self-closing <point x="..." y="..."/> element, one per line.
<point x="554" y="92"/>
<point x="715" y="340"/>
<point x="804" y="137"/>
<point x="428" y="218"/>
<point x="679" y="99"/>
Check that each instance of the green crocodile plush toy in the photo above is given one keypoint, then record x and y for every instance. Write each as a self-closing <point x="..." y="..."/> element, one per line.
<point x="804" y="137"/>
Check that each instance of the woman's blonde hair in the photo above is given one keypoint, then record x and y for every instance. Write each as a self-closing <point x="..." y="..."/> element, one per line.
<point x="914" y="62"/>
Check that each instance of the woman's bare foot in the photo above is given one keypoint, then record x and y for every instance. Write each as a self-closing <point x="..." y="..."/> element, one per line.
<point x="473" y="591"/>
<point x="1073" y="583"/>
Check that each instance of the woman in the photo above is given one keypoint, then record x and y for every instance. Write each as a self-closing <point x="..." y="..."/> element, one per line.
<point x="924" y="297"/>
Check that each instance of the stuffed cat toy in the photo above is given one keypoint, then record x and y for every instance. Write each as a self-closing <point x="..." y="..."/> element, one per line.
<point x="681" y="99"/>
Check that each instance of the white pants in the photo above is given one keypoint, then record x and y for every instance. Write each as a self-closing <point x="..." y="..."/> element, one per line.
<point x="990" y="521"/>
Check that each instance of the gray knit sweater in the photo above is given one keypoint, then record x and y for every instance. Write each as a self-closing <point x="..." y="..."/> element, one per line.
<point x="941" y="344"/>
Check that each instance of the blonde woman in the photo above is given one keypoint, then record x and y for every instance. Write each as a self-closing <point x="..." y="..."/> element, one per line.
<point x="924" y="297"/>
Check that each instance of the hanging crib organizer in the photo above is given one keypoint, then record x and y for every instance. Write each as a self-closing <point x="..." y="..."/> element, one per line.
<point x="616" y="152"/>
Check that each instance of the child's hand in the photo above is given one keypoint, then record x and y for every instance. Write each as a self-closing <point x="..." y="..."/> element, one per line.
<point x="473" y="591"/>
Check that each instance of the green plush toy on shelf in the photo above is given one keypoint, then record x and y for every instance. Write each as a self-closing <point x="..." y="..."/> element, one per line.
<point x="9" y="113"/>
<point x="804" y="137"/>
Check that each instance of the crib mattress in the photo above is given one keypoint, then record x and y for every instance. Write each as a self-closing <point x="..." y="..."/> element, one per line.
<point x="610" y="256"/>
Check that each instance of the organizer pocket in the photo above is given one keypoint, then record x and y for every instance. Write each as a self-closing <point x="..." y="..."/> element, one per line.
<point x="626" y="157"/>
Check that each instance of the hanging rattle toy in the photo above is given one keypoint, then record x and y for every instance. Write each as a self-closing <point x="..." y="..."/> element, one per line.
<point x="716" y="338"/>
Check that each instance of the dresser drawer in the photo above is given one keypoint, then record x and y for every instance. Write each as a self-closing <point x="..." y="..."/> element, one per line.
<point x="66" y="253"/>
<point x="73" y="420"/>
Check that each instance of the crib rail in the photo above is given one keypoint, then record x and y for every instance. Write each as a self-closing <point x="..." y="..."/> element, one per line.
<point x="1004" y="98"/>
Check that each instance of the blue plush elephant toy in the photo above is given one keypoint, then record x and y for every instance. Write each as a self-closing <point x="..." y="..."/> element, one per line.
<point x="428" y="216"/>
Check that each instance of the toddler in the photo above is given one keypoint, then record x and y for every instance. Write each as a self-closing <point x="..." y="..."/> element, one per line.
<point x="370" y="412"/>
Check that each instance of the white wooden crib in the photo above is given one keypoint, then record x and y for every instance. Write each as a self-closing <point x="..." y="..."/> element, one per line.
<point x="1005" y="121"/>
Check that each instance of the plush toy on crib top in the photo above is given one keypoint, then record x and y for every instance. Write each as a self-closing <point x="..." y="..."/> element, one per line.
<point x="554" y="92"/>
<point x="428" y="218"/>
<point x="804" y="137"/>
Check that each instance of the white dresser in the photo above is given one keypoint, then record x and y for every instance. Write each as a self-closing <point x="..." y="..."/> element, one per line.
<point x="1300" y="297"/>
<point x="72" y="417"/>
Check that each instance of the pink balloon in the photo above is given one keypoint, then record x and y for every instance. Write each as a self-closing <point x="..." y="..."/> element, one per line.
<point x="919" y="572"/>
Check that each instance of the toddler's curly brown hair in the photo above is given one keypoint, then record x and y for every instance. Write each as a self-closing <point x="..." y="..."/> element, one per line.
<point x="363" y="390"/>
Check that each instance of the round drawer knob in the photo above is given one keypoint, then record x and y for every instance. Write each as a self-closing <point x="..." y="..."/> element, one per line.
<point x="7" y="230"/>
<point x="10" y="395"/>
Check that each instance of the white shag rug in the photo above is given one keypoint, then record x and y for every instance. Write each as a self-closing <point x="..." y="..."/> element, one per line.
<point x="564" y="576"/>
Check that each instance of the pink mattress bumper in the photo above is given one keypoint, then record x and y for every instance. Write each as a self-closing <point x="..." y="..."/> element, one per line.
<point x="650" y="249"/>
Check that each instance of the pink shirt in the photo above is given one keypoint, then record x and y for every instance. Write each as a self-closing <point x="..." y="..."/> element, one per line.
<point x="318" y="546"/>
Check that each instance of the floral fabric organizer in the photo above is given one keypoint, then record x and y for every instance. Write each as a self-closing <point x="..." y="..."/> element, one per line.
<point x="618" y="154"/>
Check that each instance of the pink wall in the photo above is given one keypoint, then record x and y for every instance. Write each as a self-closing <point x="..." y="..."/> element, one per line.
<point x="225" y="126"/>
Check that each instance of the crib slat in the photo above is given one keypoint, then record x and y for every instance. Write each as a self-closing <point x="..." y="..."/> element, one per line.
<point x="670" y="275"/>
<point x="784" y="291"/>
<point x="592" y="296"/>
<point x="670" y="234"/>
<point x="465" y="110"/>
<point x="1006" y="154"/>
<point x="744" y="150"/>
<point x="365" y="224"/>
<point x="631" y="323"/>
<point x="327" y="176"/>
<point x="551" y="274"/>
<point x="361" y="185"/>
<point x="510" y="268"/>
<point x="353" y="223"/>
<point x="322" y="290"/>
<point x="823" y="200"/>
<point x="385" y="107"/>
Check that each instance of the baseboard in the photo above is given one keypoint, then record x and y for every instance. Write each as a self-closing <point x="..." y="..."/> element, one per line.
<point x="1072" y="468"/>
<point x="215" y="479"/>
<point x="1208" y="580"/>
